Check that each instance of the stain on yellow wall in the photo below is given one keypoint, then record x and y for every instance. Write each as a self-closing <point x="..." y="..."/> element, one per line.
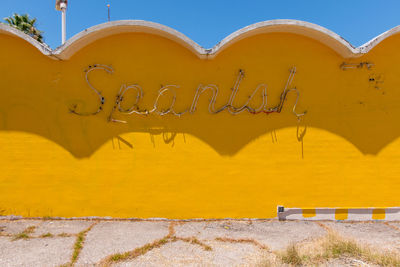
<point x="344" y="152"/>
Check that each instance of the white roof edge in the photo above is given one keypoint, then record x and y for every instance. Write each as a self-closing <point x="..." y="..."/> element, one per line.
<point x="123" y="26"/>
<point x="316" y="32"/>
<point x="9" y="30"/>
<point x="365" y="48"/>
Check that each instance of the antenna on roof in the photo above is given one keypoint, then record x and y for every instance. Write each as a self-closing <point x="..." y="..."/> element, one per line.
<point x="61" y="5"/>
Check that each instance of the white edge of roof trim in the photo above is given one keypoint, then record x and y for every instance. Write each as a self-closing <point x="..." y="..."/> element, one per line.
<point x="11" y="31"/>
<point x="313" y="31"/>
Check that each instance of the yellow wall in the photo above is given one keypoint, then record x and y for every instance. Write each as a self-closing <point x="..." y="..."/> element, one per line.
<point x="54" y="163"/>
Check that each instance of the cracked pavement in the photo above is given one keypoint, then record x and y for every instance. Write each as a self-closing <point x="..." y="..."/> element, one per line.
<point x="27" y="242"/>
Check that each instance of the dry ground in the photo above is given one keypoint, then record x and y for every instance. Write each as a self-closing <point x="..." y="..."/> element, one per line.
<point x="198" y="243"/>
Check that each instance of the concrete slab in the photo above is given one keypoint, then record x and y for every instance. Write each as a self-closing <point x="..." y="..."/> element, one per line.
<point x="112" y="237"/>
<point x="61" y="227"/>
<point x="375" y="234"/>
<point x="274" y="234"/>
<point x="17" y="226"/>
<point x="36" y="252"/>
<point x="184" y="254"/>
<point x="228" y="239"/>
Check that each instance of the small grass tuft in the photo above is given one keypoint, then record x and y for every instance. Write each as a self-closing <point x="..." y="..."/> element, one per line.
<point x="291" y="256"/>
<point x="192" y="240"/>
<point x="119" y="256"/>
<point x="336" y="247"/>
<point x="30" y="229"/>
<point x="47" y="235"/>
<point x="195" y="241"/>
<point x="25" y="234"/>
<point x="64" y="235"/>
<point x="21" y="236"/>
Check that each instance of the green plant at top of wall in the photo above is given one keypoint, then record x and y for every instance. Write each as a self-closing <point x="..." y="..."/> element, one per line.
<point x="26" y="24"/>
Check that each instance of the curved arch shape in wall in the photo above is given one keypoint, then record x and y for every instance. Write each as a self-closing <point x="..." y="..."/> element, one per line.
<point x="14" y="32"/>
<point x="100" y="31"/>
<point x="313" y="31"/>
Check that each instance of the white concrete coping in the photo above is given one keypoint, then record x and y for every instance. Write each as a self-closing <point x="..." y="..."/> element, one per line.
<point x="11" y="31"/>
<point x="316" y="32"/>
<point x="313" y="31"/>
<point x="100" y="31"/>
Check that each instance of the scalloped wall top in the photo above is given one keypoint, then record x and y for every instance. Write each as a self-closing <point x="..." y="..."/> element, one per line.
<point x="321" y="34"/>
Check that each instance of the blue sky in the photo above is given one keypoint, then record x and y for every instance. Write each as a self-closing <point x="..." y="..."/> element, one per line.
<point x="208" y="22"/>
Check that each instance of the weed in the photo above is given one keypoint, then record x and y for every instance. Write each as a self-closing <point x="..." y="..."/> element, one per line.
<point x="119" y="256"/>
<point x="30" y="229"/>
<point x="64" y="235"/>
<point x="336" y="247"/>
<point x="46" y="235"/>
<point x="291" y="256"/>
<point x="137" y="252"/>
<point x="25" y="234"/>
<point x="194" y="241"/>
<point x="21" y="236"/>
<point x="170" y="237"/>
<point x="80" y="239"/>
<point x="332" y="247"/>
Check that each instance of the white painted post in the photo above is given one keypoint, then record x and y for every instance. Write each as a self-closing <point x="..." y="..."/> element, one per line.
<point x="61" y="5"/>
<point x="64" y="24"/>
